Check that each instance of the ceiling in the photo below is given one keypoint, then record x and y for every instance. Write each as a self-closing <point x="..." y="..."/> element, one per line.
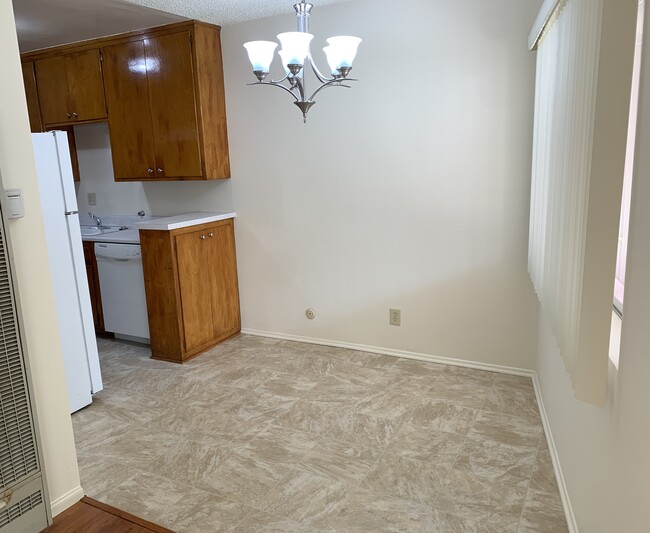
<point x="228" y="11"/>
<point x="42" y="23"/>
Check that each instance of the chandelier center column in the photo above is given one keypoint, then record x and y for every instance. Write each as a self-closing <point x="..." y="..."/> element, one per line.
<point x="303" y="11"/>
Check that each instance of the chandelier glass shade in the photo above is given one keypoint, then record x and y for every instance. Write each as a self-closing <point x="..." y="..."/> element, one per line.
<point x="296" y="58"/>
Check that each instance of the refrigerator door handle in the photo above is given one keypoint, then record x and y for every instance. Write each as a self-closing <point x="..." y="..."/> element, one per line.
<point x="71" y="213"/>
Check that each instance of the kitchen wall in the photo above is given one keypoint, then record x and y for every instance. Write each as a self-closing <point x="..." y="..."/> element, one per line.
<point x="33" y="276"/>
<point x="409" y="190"/>
<point x="604" y="450"/>
<point x="127" y="198"/>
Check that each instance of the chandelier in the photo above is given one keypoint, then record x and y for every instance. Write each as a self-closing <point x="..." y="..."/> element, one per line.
<point x="296" y="58"/>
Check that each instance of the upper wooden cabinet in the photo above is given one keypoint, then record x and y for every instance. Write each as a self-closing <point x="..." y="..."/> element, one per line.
<point x="164" y="98"/>
<point x="166" y="105"/>
<point x="35" y="122"/>
<point x="31" y="93"/>
<point x="161" y="138"/>
<point x="129" y="122"/>
<point x="70" y="88"/>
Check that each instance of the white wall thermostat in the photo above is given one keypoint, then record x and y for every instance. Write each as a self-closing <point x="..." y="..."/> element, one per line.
<point x="15" y="207"/>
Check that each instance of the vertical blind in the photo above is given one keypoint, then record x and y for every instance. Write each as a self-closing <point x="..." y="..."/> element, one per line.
<point x="578" y="155"/>
<point x="565" y="100"/>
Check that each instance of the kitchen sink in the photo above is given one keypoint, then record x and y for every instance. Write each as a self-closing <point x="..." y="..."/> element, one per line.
<point x="88" y="231"/>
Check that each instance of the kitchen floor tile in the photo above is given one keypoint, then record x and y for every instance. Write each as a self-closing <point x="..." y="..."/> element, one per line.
<point x="99" y="474"/>
<point x="506" y="429"/>
<point x="444" y="416"/>
<point x="364" y="430"/>
<point x="426" y="445"/>
<point x="192" y="463"/>
<point x="513" y="399"/>
<point x="543" y="513"/>
<point x="266" y="435"/>
<point x="202" y="512"/>
<point x="261" y="522"/>
<point x="243" y="478"/>
<point x="481" y="500"/>
<point x="338" y="460"/>
<point x="378" y="513"/>
<point x="147" y="496"/>
<point x="406" y="478"/>
<point x="496" y="461"/>
<point x="543" y="479"/>
<point x="307" y="498"/>
<point x="280" y="445"/>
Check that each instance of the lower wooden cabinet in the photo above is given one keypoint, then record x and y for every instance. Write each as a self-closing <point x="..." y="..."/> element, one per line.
<point x="190" y="277"/>
<point x="93" y="285"/>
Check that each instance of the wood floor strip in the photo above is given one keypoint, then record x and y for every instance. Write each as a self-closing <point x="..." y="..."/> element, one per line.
<point x="92" y="516"/>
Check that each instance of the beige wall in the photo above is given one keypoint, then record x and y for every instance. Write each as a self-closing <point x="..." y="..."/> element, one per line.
<point x="408" y="192"/>
<point x="32" y="273"/>
<point x="163" y="198"/>
<point x="604" y="451"/>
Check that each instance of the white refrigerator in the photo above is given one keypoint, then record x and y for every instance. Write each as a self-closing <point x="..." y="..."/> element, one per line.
<point x="67" y="266"/>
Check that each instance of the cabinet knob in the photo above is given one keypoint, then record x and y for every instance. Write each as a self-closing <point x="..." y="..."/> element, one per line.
<point x="68" y="115"/>
<point x="202" y="237"/>
<point x="210" y="234"/>
<point x="150" y="171"/>
<point x="160" y="171"/>
<point x="75" y="115"/>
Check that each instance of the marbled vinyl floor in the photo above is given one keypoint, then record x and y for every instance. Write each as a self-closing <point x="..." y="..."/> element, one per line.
<point x="267" y="435"/>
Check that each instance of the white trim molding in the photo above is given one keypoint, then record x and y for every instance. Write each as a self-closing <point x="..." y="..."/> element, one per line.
<point x="564" y="494"/>
<point x="543" y="17"/>
<point x="395" y="353"/>
<point x="555" y="458"/>
<point x="67" y="500"/>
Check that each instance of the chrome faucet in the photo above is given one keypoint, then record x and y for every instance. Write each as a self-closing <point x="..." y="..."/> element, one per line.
<point x="97" y="220"/>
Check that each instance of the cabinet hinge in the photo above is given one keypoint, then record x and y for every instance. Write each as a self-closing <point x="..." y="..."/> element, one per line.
<point x="101" y="56"/>
<point x="202" y="168"/>
<point x="190" y="39"/>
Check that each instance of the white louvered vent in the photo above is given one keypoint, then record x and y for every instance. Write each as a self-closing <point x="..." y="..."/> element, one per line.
<point x="18" y="453"/>
<point x="17" y="510"/>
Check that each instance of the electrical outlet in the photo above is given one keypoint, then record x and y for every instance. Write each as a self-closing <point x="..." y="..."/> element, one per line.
<point x="395" y="317"/>
<point x="92" y="198"/>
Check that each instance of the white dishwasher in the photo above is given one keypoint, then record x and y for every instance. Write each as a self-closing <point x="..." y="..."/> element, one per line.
<point x="121" y="283"/>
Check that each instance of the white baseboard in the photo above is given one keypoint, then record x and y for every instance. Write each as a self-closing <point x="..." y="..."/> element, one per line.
<point x="395" y="353"/>
<point x="67" y="500"/>
<point x="559" y="475"/>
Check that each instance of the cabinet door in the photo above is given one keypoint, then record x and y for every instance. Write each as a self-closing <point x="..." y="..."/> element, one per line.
<point x="170" y="74"/>
<point x="129" y="120"/>
<point x="84" y="73"/>
<point x="29" y="79"/>
<point x="223" y="269"/>
<point x="70" y="88"/>
<point x="53" y="92"/>
<point x="192" y="253"/>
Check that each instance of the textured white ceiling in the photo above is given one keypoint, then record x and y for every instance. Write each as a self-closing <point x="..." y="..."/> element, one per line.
<point x="227" y="11"/>
<point x="42" y="23"/>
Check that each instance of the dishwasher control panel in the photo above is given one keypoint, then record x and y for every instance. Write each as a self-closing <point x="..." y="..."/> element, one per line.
<point x="117" y="250"/>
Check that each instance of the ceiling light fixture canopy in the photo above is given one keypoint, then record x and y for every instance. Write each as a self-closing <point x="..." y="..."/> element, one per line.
<point x="296" y="56"/>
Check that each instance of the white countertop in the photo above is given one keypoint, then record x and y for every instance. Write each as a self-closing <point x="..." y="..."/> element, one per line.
<point x="183" y="221"/>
